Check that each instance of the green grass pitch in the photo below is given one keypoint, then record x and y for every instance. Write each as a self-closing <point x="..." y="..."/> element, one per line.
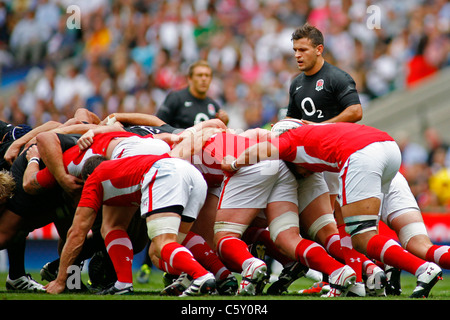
<point x="150" y="291"/>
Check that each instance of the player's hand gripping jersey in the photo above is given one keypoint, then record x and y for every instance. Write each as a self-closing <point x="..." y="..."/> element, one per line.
<point x="219" y="146"/>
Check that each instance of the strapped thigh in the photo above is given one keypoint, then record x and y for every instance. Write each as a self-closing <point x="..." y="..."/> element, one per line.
<point x="359" y="224"/>
<point x="163" y="225"/>
<point x="283" y="222"/>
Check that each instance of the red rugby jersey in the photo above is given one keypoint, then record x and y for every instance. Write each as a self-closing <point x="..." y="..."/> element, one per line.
<point x="117" y="182"/>
<point x="74" y="159"/>
<point x="326" y="146"/>
<point x="213" y="152"/>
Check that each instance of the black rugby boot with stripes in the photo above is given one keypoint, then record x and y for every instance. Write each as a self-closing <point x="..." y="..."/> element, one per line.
<point x="201" y="286"/>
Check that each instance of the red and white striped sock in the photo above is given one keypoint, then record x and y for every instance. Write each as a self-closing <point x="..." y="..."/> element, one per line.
<point x="353" y="258"/>
<point x="388" y="251"/>
<point x="164" y="266"/>
<point x="439" y="255"/>
<point x="233" y="252"/>
<point x="314" y="256"/>
<point x="180" y="258"/>
<point x="206" y="256"/>
<point x="255" y="234"/>
<point x="333" y="246"/>
<point x="120" y="250"/>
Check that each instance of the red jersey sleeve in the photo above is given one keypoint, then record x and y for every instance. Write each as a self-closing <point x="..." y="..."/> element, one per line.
<point x="286" y="150"/>
<point x="92" y="194"/>
<point x="45" y="179"/>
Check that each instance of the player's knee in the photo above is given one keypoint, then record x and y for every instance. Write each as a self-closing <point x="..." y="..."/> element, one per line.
<point x="355" y="225"/>
<point x="326" y="220"/>
<point x="227" y="228"/>
<point x="282" y="223"/>
<point x="361" y="228"/>
<point x="416" y="231"/>
<point x="162" y="226"/>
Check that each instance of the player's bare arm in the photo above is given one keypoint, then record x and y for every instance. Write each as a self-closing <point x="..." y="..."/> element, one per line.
<point x="82" y="223"/>
<point x="86" y="140"/>
<point x="14" y="150"/>
<point x="258" y="134"/>
<point x="51" y="154"/>
<point x="259" y="152"/>
<point x="30" y="183"/>
<point x="353" y="113"/>
<point x="193" y="144"/>
<point x="141" y="119"/>
<point x="211" y="123"/>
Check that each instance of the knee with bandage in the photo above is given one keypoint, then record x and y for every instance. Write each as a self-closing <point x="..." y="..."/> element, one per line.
<point x="283" y="222"/>
<point x="355" y="225"/>
<point x="319" y="223"/>
<point x="411" y="230"/>
<point x="163" y="225"/>
<point x="230" y="227"/>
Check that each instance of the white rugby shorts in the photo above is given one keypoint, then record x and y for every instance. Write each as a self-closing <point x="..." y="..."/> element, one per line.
<point x="368" y="172"/>
<point x="310" y="188"/>
<point x="257" y="185"/>
<point x="172" y="182"/>
<point x="332" y="180"/>
<point x="399" y="200"/>
<point x="133" y="146"/>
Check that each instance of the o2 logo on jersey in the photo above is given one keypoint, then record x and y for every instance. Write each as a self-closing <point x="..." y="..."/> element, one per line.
<point x="319" y="84"/>
<point x="309" y="108"/>
<point x="200" y="117"/>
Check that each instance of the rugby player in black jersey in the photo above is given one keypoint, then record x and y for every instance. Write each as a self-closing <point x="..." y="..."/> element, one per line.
<point x="321" y="92"/>
<point x="191" y="105"/>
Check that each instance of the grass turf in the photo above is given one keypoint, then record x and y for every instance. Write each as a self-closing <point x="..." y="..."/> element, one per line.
<point x="150" y="291"/>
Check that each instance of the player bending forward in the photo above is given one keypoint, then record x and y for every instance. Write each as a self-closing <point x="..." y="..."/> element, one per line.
<point x="367" y="160"/>
<point x="170" y="193"/>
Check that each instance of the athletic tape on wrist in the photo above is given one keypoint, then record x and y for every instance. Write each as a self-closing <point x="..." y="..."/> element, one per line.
<point x="34" y="159"/>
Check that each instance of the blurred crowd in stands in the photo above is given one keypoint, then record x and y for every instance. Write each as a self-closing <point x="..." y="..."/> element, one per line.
<point x="128" y="54"/>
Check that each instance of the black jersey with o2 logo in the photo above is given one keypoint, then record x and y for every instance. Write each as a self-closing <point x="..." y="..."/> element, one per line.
<point x="181" y="109"/>
<point x="321" y="96"/>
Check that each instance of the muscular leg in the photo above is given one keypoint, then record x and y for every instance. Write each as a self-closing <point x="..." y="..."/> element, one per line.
<point x="165" y="247"/>
<point x="204" y="225"/>
<point x="117" y="242"/>
<point x="366" y="239"/>
<point x="230" y="225"/>
<point x="318" y="221"/>
<point x="414" y="238"/>
<point x="283" y="225"/>
<point x="292" y="244"/>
